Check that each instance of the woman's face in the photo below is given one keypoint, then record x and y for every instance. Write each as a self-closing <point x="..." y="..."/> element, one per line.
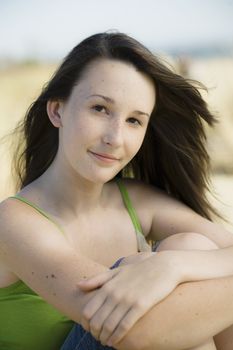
<point x="104" y="121"/>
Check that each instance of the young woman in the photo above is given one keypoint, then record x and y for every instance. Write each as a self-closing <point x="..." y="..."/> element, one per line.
<point x="113" y="159"/>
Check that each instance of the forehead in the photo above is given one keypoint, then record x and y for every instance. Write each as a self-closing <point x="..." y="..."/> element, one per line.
<point x="118" y="80"/>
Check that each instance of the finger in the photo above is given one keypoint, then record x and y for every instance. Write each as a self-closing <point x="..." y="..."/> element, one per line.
<point x="90" y="309"/>
<point x="96" y="281"/>
<point x="125" y="324"/>
<point x="99" y="318"/>
<point x="112" y="322"/>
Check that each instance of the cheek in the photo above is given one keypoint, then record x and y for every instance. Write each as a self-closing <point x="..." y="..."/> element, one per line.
<point x="78" y="130"/>
<point x="136" y="143"/>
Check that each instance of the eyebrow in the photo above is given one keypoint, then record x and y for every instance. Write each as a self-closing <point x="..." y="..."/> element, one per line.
<point x="110" y="100"/>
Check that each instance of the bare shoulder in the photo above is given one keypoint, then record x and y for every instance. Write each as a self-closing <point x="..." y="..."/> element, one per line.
<point x="142" y="190"/>
<point x="165" y="214"/>
<point x="24" y="233"/>
<point x="35" y="251"/>
<point x="31" y="243"/>
<point x="151" y="198"/>
<point x="18" y="220"/>
<point x="149" y="203"/>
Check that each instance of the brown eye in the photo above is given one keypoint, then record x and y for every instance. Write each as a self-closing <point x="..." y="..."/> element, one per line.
<point x="99" y="108"/>
<point x="134" y="121"/>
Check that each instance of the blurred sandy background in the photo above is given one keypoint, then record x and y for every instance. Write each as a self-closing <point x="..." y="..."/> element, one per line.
<point x="20" y="84"/>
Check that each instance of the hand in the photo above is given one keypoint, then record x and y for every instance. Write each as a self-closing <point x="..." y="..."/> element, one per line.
<point x="126" y="293"/>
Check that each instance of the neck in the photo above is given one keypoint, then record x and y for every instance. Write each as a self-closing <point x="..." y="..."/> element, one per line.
<point x="71" y="193"/>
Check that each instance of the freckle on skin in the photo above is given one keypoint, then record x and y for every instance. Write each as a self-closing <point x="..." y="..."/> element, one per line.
<point x="32" y="273"/>
<point x="53" y="276"/>
<point x="47" y="276"/>
<point x="54" y="294"/>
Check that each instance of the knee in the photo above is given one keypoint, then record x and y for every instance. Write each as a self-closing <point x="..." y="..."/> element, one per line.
<point x="187" y="241"/>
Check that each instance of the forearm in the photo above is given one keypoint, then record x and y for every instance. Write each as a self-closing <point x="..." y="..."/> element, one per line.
<point x="203" y="264"/>
<point x="191" y="266"/>
<point x="192" y="313"/>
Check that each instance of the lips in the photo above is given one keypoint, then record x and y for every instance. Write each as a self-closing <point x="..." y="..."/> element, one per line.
<point x="104" y="156"/>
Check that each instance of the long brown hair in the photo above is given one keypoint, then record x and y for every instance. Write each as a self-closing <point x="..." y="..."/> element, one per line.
<point x="173" y="156"/>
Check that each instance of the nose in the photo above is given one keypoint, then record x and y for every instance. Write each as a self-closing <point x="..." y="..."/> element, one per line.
<point x="113" y="135"/>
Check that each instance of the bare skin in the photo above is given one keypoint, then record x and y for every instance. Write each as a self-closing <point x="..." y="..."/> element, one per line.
<point x="76" y="192"/>
<point x="189" y="243"/>
<point x="196" y="297"/>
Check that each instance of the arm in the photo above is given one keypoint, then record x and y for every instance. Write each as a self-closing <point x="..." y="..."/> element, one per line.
<point x="29" y="243"/>
<point x="162" y="216"/>
<point x="177" y="266"/>
<point x="196" y="265"/>
<point x="33" y="249"/>
<point x="192" y="313"/>
<point x="200" y="309"/>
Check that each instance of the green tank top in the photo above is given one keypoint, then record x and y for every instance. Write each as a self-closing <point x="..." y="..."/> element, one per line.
<point x="28" y="322"/>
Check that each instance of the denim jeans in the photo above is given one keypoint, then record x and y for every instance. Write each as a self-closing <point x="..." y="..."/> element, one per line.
<point x="80" y="339"/>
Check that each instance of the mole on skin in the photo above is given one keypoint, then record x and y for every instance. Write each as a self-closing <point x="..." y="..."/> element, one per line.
<point x="52" y="275"/>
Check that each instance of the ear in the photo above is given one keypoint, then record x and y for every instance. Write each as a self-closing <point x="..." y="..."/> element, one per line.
<point x="53" y="110"/>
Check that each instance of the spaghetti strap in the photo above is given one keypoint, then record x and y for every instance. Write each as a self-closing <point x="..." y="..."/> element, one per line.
<point x="142" y="243"/>
<point x="41" y="211"/>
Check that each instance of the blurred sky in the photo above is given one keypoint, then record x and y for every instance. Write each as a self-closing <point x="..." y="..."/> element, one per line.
<point x="48" y="29"/>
